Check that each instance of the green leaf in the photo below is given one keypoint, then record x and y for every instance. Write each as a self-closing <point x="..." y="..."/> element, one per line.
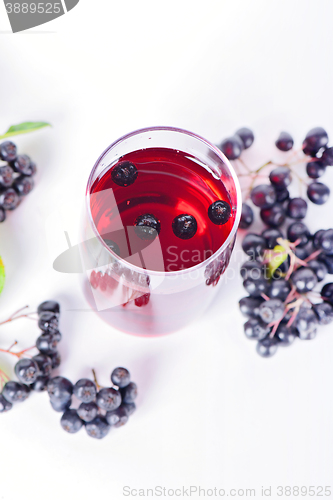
<point x="2" y="275"/>
<point x="276" y="257"/>
<point x="24" y="128"/>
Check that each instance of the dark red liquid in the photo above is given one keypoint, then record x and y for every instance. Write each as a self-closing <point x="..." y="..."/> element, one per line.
<point x="169" y="183"/>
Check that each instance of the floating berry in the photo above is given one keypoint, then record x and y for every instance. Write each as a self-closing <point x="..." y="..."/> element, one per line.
<point x="246" y="217"/>
<point x="255" y="329"/>
<point x="318" y="193"/>
<point x="219" y="212"/>
<point x="120" y="377"/>
<point x="97" y="428"/>
<point x="124" y="173"/>
<point x="7" y="151"/>
<point x="112" y="245"/>
<point x="315" y="139"/>
<point x="85" y="390"/>
<point x="184" y="226"/>
<point x="232" y="147"/>
<point x="297" y="208"/>
<point x="6" y="176"/>
<point x="284" y="142"/>
<point x="9" y="199"/>
<point x="280" y="177"/>
<point x="315" y="169"/>
<point x="71" y="422"/>
<point x="246" y="136"/>
<point x="263" y="196"/>
<point x="267" y="347"/>
<point x="147" y="227"/>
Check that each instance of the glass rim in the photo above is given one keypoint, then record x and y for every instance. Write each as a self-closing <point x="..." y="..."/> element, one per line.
<point x="211" y="146"/>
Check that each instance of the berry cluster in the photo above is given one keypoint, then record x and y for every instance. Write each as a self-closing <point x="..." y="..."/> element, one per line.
<point x="16" y="177"/>
<point x="184" y="226"/>
<point x="100" y="408"/>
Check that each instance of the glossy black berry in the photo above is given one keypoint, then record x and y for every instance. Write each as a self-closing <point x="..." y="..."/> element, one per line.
<point x="23" y="185"/>
<point x="60" y="405"/>
<point x="301" y="252"/>
<point x="129" y="407"/>
<point x="327" y="292"/>
<point x="284" y="142"/>
<point x="184" y="226"/>
<point x="249" y="306"/>
<point x="71" y="422"/>
<point x="49" y="306"/>
<point x="15" y="392"/>
<point x="280" y="177"/>
<point x="85" y="390"/>
<point x="4" y="404"/>
<point x="327" y="157"/>
<point x="282" y="195"/>
<point x="55" y="359"/>
<point x="246" y="136"/>
<point x="22" y="164"/>
<point x="279" y="289"/>
<point x="324" y="241"/>
<point x="273" y="216"/>
<point x="256" y="329"/>
<point x="246" y="217"/>
<point x="47" y="343"/>
<point x="48" y="322"/>
<point x="271" y="235"/>
<point x="219" y="212"/>
<point x="112" y="245"/>
<point x="44" y="363"/>
<point x="120" y="377"/>
<point x="318" y="193"/>
<point x="9" y="199"/>
<point x="286" y="335"/>
<point x="147" y="227"/>
<point x="124" y="173"/>
<point x="315" y="169"/>
<point x="7" y="151"/>
<point x="267" y="347"/>
<point x="6" y="176"/>
<point x="327" y="260"/>
<point x="254" y="245"/>
<point x="256" y="287"/>
<point x="232" y="147"/>
<point x="271" y="310"/>
<point x="263" y="196"/>
<point x="129" y="393"/>
<point x="315" y="139"/>
<point x="298" y="231"/>
<point x="306" y="324"/>
<point x="60" y="389"/>
<point x="251" y="269"/>
<point x="297" y="208"/>
<point x="318" y="268"/>
<point x="324" y="312"/>
<point x="108" y="399"/>
<point x="97" y="428"/>
<point x="27" y="371"/>
<point x="2" y="214"/>
<point x="88" y="411"/>
<point x="118" y="417"/>
<point x="304" y="279"/>
<point x="40" y="383"/>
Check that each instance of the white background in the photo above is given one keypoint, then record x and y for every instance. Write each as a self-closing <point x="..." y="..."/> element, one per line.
<point x="210" y="411"/>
